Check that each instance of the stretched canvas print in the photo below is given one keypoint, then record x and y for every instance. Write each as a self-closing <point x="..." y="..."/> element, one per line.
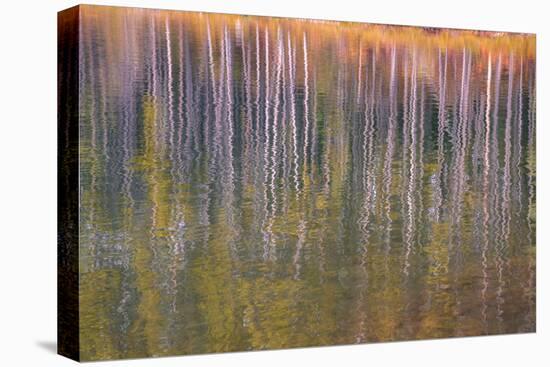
<point x="232" y="183"/>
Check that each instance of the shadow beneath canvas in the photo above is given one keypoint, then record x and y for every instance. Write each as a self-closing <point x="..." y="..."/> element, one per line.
<point x="50" y="346"/>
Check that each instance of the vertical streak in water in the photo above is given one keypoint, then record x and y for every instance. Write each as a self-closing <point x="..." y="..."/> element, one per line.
<point x="438" y="192"/>
<point x="180" y="125"/>
<point x="94" y="160"/>
<point x="181" y="225"/>
<point x="209" y="139"/>
<point x="507" y="153"/>
<point x="274" y="147"/>
<point x="437" y="182"/>
<point x="284" y="132"/>
<point x="368" y="153"/>
<point x="258" y="166"/>
<point x="266" y="232"/>
<point x="276" y="110"/>
<point x="461" y="187"/>
<point x="281" y="110"/>
<point x="127" y="173"/>
<point x="486" y="199"/>
<point x="189" y="111"/>
<point x="494" y="199"/>
<point x="247" y="158"/>
<point x="153" y="48"/>
<point x="314" y="132"/>
<point x="411" y="187"/>
<point x="291" y="77"/>
<point x="174" y="247"/>
<point x="155" y="71"/>
<point x="495" y="149"/>
<point x="519" y="142"/>
<point x="170" y="88"/>
<point x="257" y="101"/>
<point x="256" y="161"/>
<point x="325" y="171"/>
<point x="102" y="68"/>
<point x="368" y="189"/>
<point x="421" y="154"/>
<point x="388" y="159"/>
<point x="405" y="143"/>
<point x="203" y="98"/>
<point x="306" y="105"/>
<point x="371" y="126"/>
<point x="173" y="235"/>
<point x="359" y="68"/>
<point x="128" y="109"/>
<point x="505" y="212"/>
<point x="211" y="58"/>
<point x="154" y="101"/>
<point x="464" y="123"/>
<point x="457" y="164"/>
<point x="218" y="136"/>
<point x="324" y="191"/>
<point x="364" y="211"/>
<point x="196" y="109"/>
<point x="229" y="185"/>
<point x="294" y="143"/>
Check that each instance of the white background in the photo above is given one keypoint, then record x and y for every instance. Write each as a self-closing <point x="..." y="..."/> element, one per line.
<point x="28" y="181"/>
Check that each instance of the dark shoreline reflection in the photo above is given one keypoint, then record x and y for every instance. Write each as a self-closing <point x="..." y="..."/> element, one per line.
<point x="253" y="183"/>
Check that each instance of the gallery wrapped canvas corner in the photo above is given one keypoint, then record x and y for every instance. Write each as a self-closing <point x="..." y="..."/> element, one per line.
<point x="234" y="183"/>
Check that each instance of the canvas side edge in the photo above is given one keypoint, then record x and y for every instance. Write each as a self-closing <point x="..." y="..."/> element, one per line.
<point x="68" y="325"/>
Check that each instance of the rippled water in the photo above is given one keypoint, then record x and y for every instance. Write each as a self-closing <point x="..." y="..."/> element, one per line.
<point x="253" y="183"/>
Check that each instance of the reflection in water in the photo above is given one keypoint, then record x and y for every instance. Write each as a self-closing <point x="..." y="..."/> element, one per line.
<point x="251" y="183"/>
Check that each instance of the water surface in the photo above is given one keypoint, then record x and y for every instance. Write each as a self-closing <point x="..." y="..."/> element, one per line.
<point x="254" y="183"/>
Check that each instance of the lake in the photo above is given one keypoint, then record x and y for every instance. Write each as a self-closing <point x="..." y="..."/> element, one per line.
<point x="256" y="183"/>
